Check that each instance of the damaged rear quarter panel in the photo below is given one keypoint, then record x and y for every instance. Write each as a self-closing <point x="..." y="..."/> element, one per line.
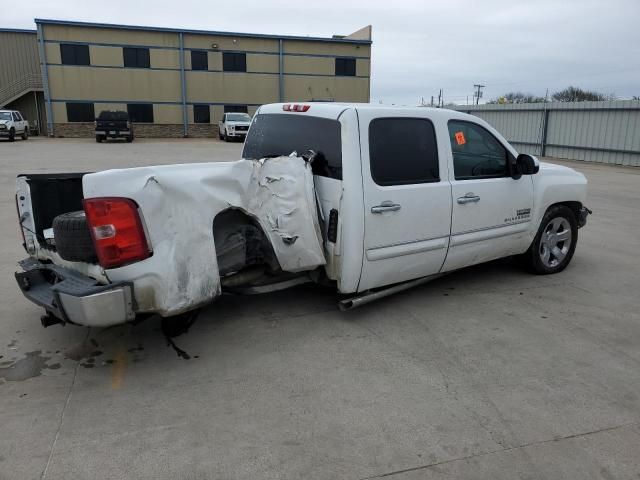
<point x="179" y="203"/>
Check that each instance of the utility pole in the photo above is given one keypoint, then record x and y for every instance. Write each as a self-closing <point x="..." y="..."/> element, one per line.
<point x="432" y="100"/>
<point x="478" y="93"/>
<point x="439" y="98"/>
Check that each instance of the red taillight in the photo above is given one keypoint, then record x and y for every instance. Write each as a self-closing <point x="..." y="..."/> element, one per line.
<point x="294" y="107"/>
<point x="117" y="231"/>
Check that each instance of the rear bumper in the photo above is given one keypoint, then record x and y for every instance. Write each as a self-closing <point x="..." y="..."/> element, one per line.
<point x="114" y="133"/>
<point x="72" y="297"/>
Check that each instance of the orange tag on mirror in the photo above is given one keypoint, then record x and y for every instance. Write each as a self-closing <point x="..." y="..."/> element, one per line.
<point x="460" y="138"/>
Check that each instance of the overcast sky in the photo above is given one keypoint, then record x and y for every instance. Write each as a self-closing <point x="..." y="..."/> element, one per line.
<point x="418" y="46"/>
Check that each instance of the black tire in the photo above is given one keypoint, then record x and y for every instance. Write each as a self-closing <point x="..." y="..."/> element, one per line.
<point x="73" y="238"/>
<point x="224" y="137"/>
<point x="25" y="133"/>
<point x="99" y="138"/>
<point x="129" y="138"/>
<point x="219" y="134"/>
<point x="12" y="134"/>
<point x="533" y="258"/>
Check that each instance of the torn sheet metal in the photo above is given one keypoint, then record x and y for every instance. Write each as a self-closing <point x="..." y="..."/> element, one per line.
<point x="179" y="203"/>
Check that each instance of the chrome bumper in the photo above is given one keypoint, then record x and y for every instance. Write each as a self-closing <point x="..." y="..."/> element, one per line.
<point x="72" y="297"/>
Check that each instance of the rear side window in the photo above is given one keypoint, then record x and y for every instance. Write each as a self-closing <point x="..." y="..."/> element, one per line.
<point x="274" y="135"/>
<point x="403" y="151"/>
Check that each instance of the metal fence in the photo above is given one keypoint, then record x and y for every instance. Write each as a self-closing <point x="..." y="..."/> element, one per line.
<point x="605" y="132"/>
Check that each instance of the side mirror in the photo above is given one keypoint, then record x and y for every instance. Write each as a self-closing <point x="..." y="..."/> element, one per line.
<point x="526" y="165"/>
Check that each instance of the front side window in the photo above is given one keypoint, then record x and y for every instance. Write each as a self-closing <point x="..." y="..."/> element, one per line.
<point x="234" y="62"/>
<point x="16" y="117"/>
<point x="476" y="152"/>
<point x="274" y="135"/>
<point x="403" y="151"/>
<point x="199" y="60"/>
<point x="136" y="57"/>
<point x="201" y="114"/>
<point x="140" y="112"/>
<point x="345" y="67"/>
<point x="80" y="112"/>
<point x="72" y="54"/>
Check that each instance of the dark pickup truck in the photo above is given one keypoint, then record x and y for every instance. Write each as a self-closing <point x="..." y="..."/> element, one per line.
<point x="112" y="124"/>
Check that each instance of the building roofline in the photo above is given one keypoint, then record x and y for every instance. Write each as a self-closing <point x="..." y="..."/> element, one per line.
<point x="197" y="32"/>
<point x="17" y="30"/>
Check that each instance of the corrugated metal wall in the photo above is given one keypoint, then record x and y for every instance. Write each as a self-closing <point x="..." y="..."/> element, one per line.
<point x="18" y="56"/>
<point x="606" y="132"/>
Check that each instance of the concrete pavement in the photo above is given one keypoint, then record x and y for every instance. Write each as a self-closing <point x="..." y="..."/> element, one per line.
<point x="486" y="373"/>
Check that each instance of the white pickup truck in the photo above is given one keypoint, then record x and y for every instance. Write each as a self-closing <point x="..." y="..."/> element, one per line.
<point x="366" y="198"/>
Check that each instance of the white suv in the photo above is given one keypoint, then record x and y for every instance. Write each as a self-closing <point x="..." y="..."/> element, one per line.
<point x="12" y="123"/>
<point x="234" y="125"/>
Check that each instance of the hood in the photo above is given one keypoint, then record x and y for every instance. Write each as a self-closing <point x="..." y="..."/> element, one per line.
<point x="234" y="123"/>
<point x="560" y="171"/>
<point x="4" y="122"/>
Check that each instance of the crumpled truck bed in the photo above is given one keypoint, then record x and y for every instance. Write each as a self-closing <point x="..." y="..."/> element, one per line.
<point x="178" y="205"/>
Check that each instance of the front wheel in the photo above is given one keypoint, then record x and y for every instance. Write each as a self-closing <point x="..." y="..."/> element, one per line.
<point x="12" y="134"/>
<point x="555" y="242"/>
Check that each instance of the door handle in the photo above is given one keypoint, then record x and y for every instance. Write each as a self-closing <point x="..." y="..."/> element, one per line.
<point x="386" y="206"/>
<point x="469" y="198"/>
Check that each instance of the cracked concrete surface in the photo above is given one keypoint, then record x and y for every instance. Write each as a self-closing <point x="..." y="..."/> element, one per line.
<point x="485" y="373"/>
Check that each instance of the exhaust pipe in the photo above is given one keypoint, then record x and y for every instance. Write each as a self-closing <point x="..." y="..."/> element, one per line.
<point x="48" y="320"/>
<point x="359" y="300"/>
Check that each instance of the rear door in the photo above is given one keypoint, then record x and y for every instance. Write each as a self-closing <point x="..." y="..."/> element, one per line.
<point x="407" y="198"/>
<point x="491" y="210"/>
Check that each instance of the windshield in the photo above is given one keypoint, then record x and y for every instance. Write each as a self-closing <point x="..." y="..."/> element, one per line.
<point x="238" y="117"/>
<point x="5" y="116"/>
<point x="113" y="115"/>
<point x="273" y="135"/>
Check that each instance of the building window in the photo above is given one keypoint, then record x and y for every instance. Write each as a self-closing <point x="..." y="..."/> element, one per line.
<point x="136" y="57"/>
<point x="201" y="114"/>
<point x="80" y="112"/>
<point x="345" y="67"/>
<point x="234" y="62"/>
<point x="199" y="60"/>
<point x="140" y="112"/>
<point x="403" y="151"/>
<point x="71" y="54"/>
<point x="235" y="109"/>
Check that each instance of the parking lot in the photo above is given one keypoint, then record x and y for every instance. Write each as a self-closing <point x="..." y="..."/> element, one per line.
<point x="485" y="373"/>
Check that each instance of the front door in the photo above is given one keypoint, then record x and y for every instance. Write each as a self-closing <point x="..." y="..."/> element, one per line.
<point x="491" y="210"/>
<point x="407" y="199"/>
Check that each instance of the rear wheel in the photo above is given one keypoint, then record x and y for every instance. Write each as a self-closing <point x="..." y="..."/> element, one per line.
<point x="555" y="243"/>
<point x="25" y="133"/>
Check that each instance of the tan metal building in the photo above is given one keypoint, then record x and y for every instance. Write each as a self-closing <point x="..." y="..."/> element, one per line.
<point x="179" y="82"/>
<point x="20" y="79"/>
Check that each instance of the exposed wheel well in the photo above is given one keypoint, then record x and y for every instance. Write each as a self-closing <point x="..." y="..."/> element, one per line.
<point x="240" y="242"/>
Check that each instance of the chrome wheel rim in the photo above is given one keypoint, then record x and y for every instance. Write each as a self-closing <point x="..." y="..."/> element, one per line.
<point x="555" y="242"/>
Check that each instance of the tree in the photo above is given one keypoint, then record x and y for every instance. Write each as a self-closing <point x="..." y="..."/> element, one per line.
<point x="517" y="97"/>
<point x="576" y="94"/>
